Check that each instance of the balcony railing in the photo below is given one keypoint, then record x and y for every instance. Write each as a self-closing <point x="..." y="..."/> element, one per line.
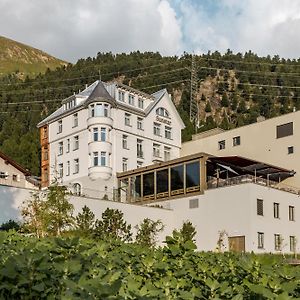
<point x="214" y="183"/>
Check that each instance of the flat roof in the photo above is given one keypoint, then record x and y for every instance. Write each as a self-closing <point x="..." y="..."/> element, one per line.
<point x="249" y="166"/>
<point x="163" y="164"/>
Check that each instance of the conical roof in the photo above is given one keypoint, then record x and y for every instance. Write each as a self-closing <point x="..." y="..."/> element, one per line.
<point x="100" y="94"/>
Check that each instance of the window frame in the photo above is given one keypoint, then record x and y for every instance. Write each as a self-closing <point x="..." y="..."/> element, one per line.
<point x="276" y="213"/>
<point x="221" y="144"/>
<point x="236" y="141"/>
<point x="291" y="213"/>
<point x="260" y="240"/>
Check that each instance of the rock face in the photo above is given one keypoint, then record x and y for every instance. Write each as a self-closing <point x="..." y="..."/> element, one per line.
<point x="24" y="60"/>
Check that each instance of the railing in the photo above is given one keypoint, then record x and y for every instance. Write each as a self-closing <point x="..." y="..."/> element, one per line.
<point x="214" y="183"/>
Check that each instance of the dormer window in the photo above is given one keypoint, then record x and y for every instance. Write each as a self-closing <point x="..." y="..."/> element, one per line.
<point x="141" y="103"/>
<point x="131" y="99"/>
<point x="162" y="112"/>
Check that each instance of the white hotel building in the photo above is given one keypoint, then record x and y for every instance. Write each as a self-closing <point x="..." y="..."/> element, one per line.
<point x="105" y="129"/>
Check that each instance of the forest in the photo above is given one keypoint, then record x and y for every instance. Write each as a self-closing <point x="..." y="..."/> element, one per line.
<point x="230" y="90"/>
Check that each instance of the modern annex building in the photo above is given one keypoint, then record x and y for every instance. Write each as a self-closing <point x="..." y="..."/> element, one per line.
<point x="275" y="141"/>
<point x="229" y="200"/>
<point x="105" y="129"/>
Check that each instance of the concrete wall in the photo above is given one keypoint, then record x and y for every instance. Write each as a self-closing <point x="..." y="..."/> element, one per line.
<point x="258" y="142"/>
<point x="234" y="210"/>
<point x="11" y="200"/>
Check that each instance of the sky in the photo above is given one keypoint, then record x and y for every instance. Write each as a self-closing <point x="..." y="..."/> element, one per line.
<point x="74" y="29"/>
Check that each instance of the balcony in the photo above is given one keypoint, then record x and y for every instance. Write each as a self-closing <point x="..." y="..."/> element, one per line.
<point x="102" y="172"/>
<point x="99" y="121"/>
<point x="214" y="183"/>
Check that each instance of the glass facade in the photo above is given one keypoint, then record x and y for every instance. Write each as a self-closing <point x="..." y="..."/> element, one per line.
<point x="165" y="182"/>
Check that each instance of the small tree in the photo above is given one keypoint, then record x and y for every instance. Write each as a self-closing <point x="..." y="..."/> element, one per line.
<point x="221" y="241"/>
<point x="10" y="225"/>
<point x="112" y="226"/>
<point x="187" y="231"/>
<point x="208" y="107"/>
<point x="34" y="216"/>
<point x="225" y="101"/>
<point x="85" y="221"/>
<point x="50" y="214"/>
<point x="59" y="209"/>
<point x="147" y="231"/>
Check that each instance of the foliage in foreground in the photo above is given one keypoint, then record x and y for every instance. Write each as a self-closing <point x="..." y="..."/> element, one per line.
<point x="73" y="268"/>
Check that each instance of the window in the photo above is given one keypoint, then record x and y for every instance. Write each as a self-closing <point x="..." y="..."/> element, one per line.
<point x="292" y="243"/>
<point x="291" y="150"/>
<point x="60" y="170"/>
<point x="156" y="128"/>
<point x="16" y="177"/>
<point x="103" y="134"/>
<point x="103" y="158"/>
<point x="77" y="189"/>
<point x="68" y="168"/>
<point x="76" y="165"/>
<point x="284" y="130"/>
<point x="140" y="123"/>
<point x="75" y="120"/>
<point x="60" y="148"/>
<point x="177" y="179"/>
<point x="59" y="126"/>
<point x="95" y="159"/>
<point x="121" y="96"/>
<point x="124" y="141"/>
<point x="156" y="150"/>
<point x="139" y="146"/>
<point x="127" y="119"/>
<point x="76" y="142"/>
<point x="105" y="110"/>
<point x="168" y="134"/>
<point x="167" y="153"/>
<point x="45" y="132"/>
<point x="260" y="207"/>
<point x="139" y="164"/>
<point x="221" y="144"/>
<point x="162" y="181"/>
<point x="68" y="145"/>
<point x="148" y="184"/>
<point x="95" y="134"/>
<point x="124" y="164"/>
<point x="99" y="110"/>
<point x="162" y="112"/>
<point x="236" y="141"/>
<point x="277" y="242"/>
<point x="291" y="213"/>
<point x="194" y="203"/>
<point x="3" y="175"/>
<point x="260" y="240"/>
<point x="141" y="103"/>
<point x="276" y="210"/>
<point x="192" y="176"/>
<point x="131" y="99"/>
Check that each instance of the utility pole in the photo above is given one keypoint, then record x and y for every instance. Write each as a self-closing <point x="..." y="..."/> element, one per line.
<point x="194" y="109"/>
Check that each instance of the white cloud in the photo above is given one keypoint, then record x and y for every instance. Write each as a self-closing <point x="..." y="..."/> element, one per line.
<point x="73" y="29"/>
<point x="265" y="27"/>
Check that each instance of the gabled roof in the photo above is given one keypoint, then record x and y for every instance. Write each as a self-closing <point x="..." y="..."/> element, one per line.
<point x="97" y="91"/>
<point x="10" y="161"/>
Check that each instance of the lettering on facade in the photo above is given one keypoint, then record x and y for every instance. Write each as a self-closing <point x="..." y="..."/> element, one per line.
<point x="162" y="120"/>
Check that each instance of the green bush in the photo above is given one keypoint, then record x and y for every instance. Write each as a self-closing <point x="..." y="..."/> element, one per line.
<point x="74" y="268"/>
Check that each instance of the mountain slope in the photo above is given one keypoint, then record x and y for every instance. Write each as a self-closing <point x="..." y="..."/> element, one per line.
<point x="19" y="58"/>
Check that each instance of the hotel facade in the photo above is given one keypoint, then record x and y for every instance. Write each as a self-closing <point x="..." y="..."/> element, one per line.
<point x="105" y="129"/>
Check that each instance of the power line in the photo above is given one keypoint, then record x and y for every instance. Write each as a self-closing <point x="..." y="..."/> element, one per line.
<point x="255" y="72"/>
<point x="79" y="85"/>
<point x="248" y="62"/>
<point x="93" y="76"/>
<point x="162" y="84"/>
<point x="265" y="85"/>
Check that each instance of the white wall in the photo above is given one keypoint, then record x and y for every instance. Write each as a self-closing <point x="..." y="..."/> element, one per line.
<point x="234" y="210"/>
<point x="11" y="200"/>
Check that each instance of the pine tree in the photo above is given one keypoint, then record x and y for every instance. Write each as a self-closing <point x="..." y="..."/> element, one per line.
<point x="224" y="101"/>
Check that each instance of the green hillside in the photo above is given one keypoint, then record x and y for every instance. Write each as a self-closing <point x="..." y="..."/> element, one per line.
<point x="231" y="90"/>
<point x="24" y="60"/>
